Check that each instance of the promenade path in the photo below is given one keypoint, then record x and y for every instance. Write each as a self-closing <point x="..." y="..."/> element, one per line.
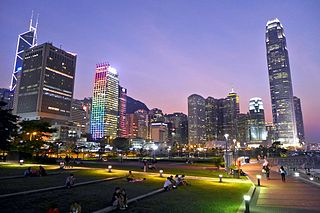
<point x="293" y="196"/>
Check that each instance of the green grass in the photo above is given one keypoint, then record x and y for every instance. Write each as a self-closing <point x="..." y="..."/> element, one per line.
<point x="201" y="196"/>
<point x="92" y="197"/>
<point x="31" y="183"/>
<point x="8" y="169"/>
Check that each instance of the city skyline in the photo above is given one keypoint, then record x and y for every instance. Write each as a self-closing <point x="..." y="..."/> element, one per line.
<point x="157" y="52"/>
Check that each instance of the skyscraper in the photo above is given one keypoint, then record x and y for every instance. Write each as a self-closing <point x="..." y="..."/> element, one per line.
<point x="299" y="118"/>
<point x="196" y="119"/>
<point x="122" y="131"/>
<point x="280" y="84"/>
<point x="105" y="103"/>
<point x="257" y="127"/>
<point x="231" y="109"/>
<point x="212" y="112"/>
<point x="26" y="40"/>
<point x="179" y="127"/>
<point x="46" y="83"/>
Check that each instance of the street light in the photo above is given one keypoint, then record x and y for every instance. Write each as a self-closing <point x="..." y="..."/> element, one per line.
<point x="161" y="173"/>
<point x="226" y="156"/>
<point x="154" y="147"/>
<point x="247" y="200"/>
<point x="258" y="178"/>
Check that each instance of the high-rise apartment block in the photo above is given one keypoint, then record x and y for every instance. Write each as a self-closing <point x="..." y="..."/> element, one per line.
<point x="196" y="119"/>
<point x="177" y="128"/>
<point x="280" y="84"/>
<point x="46" y="83"/>
<point x="210" y="119"/>
<point x="105" y="103"/>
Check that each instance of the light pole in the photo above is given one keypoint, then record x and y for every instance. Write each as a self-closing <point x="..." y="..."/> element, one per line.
<point x="154" y="147"/>
<point x="226" y="154"/>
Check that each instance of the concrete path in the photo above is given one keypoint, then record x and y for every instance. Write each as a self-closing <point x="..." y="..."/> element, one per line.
<point x="293" y="196"/>
<point x="112" y="208"/>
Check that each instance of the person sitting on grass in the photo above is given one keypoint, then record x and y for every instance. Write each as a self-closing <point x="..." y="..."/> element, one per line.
<point x="131" y="179"/>
<point x="28" y="172"/>
<point x="183" y="181"/>
<point x="168" y="184"/>
<point x="124" y="197"/>
<point x="177" y="179"/>
<point x="117" y="199"/>
<point x="53" y="209"/>
<point x="42" y="171"/>
<point x="75" y="207"/>
<point x="70" y="181"/>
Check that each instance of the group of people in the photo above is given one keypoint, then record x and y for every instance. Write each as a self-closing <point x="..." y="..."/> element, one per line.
<point x="75" y="207"/>
<point x="120" y="198"/>
<point x="266" y="171"/>
<point x="172" y="183"/>
<point x="35" y="173"/>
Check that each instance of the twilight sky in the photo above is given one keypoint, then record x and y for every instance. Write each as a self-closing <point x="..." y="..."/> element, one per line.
<point x="166" y="50"/>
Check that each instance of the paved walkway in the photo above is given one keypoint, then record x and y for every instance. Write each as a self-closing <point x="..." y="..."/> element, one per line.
<point x="293" y="196"/>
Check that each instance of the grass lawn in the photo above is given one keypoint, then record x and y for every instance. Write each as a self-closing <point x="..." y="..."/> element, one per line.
<point x="193" y="170"/>
<point x="10" y="169"/>
<point x="30" y="183"/>
<point x="201" y="196"/>
<point x="92" y="197"/>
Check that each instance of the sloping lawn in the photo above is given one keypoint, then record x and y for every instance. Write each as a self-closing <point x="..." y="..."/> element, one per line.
<point x="201" y="196"/>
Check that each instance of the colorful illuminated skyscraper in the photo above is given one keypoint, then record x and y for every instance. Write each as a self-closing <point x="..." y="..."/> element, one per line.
<point x="26" y="40"/>
<point x="105" y="103"/>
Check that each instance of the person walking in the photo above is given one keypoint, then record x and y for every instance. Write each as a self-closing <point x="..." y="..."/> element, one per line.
<point x="283" y="174"/>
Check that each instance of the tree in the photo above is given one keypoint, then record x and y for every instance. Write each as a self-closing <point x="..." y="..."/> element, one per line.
<point x="33" y="135"/>
<point x="121" y="144"/>
<point x="8" y="127"/>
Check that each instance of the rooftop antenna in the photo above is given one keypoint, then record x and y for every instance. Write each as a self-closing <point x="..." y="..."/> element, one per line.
<point x="30" y="27"/>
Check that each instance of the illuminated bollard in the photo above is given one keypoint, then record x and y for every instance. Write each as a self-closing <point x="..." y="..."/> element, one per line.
<point x="258" y="178"/>
<point x="21" y="162"/>
<point x="161" y="173"/>
<point x="247" y="201"/>
<point x="220" y="178"/>
<point x="109" y="168"/>
<point x="296" y="174"/>
<point x="311" y="178"/>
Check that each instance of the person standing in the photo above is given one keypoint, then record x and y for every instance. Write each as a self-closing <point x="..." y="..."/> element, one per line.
<point x="283" y="174"/>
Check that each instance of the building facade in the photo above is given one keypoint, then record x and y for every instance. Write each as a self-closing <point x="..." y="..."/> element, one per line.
<point x="178" y="128"/>
<point x="196" y="119"/>
<point x="26" y="40"/>
<point x="105" y="103"/>
<point x="122" y="130"/>
<point x="46" y="84"/>
<point x="299" y="118"/>
<point x="257" y="127"/>
<point x="280" y="84"/>
<point x="6" y="96"/>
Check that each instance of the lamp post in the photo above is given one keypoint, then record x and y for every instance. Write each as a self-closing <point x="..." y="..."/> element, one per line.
<point x="258" y="178"/>
<point x="161" y="173"/>
<point x="109" y="168"/>
<point x="226" y="154"/>
<point x="154" y="147"/>
<point x="247" y="200"/>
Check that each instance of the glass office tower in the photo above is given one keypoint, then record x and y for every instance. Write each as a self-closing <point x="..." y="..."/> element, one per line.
<point x="280" y="84"/>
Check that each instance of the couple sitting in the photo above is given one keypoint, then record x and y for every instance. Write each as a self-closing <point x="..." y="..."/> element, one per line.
<point x="172" y="183"/>
<point x="119" y="198"/>
<point x="34" y="173"/>
<point x="131" y="179"/>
